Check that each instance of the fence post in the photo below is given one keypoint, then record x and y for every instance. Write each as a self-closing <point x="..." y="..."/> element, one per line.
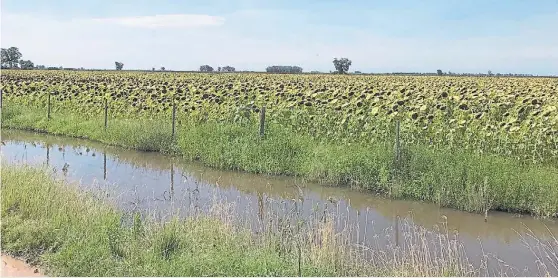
<point x="1" y="99"/>
<point x="48" y="106"/>
<point x="262" y="122"/>
<point x="106" y="114"/>
<point x="173" y="118"/>
<point x="397" y="143"/>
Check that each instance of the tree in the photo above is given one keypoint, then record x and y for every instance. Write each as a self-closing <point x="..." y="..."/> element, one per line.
<point x="119" y="65"/>
<point x="10" y="57"/>
<point x="26" y="64"/>
<point x="219" y="69"/>
<point x="284" y="69"/>
<point x="162" y="68"/>
<point x="152" y="69"/>
<point x="206" y="68"/>
<point x="489" y="73"/>
<point x="439" y="72"/>
<point x="41" y="67"/>
<point x="342" y="65"/>
<point x="5" y="58"/>
<point x="227" y="69"/>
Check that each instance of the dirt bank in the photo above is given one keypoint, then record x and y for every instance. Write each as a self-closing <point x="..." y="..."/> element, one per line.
<point x="12" y="267"/>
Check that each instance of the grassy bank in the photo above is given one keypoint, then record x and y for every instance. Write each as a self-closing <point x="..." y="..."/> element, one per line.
<point x="461" y="180"/>
<point x="70" y="232"/>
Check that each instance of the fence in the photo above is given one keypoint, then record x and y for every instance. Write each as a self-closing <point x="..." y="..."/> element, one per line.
<point x="173" y="119"/>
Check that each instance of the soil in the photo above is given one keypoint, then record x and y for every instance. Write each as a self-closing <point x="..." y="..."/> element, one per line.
<point x="12" y="267"/>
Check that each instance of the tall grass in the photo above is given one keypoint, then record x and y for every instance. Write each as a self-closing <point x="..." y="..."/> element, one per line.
<point x="70" y="233"/>
<point x="546" y="252"/>
<point x="461" y="180"/>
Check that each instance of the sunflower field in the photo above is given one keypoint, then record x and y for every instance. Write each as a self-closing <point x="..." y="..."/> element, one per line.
<point x="515" y="117"/>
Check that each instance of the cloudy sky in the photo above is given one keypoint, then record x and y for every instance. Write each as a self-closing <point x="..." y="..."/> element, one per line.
<point x="378" y="36"/>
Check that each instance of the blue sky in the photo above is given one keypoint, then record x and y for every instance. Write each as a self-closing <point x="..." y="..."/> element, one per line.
<point x="378" y="36"/>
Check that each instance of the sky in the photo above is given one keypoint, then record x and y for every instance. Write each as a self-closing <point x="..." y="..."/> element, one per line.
<point x="505" y="36"/>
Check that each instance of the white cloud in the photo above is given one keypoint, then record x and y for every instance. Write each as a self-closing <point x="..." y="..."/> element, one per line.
<point x="166" y="21"/>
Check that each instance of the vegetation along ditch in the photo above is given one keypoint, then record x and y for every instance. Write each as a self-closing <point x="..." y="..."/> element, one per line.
<point x="461" y="142"/>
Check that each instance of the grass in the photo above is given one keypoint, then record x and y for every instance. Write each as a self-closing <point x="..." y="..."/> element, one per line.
<point x="70" y="232"/>
<point x="461" y="180"/>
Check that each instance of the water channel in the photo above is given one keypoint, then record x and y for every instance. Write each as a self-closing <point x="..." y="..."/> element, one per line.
<point x="157" y="183"/>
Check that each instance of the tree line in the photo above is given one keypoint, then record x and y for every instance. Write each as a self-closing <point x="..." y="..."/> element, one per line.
<point x="12" y="59"/>
<point x="208" y="68"/>
<point x="341" y="65"/>
<point x="439" y="72"/>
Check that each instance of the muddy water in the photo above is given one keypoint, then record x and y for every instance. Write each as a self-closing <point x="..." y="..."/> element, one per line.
<point x="156" y="183"/>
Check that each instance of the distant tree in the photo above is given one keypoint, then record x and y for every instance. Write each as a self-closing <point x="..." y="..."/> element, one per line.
<point x="153" y="69"/>
<point x="206" y="68"/>
<point x="357" y="72"/>
<point x="10" y="57"/>
<point x="5" y="58"/>
<point x="219" y="69"/>
<point x="119" y="65"/>
<point x="439" y="72"/>
<point x="284" y="69"/>
<point x="489" y="73"/>
<point x="26" y="64"/>
<point x="41" y="67"/>
<point x="162" y="68"/>
<point x="315" y="71"/>
<point x="227" y="69"/>
<point x="342" y="65"/>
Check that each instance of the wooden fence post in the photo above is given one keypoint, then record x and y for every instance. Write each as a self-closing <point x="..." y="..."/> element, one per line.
<point x="397" y="143"/>
<point x="173" y="118"/>
<point x="262" y="122"/>
<point x="48" y="106"/>
<point x="106" y="114"/>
